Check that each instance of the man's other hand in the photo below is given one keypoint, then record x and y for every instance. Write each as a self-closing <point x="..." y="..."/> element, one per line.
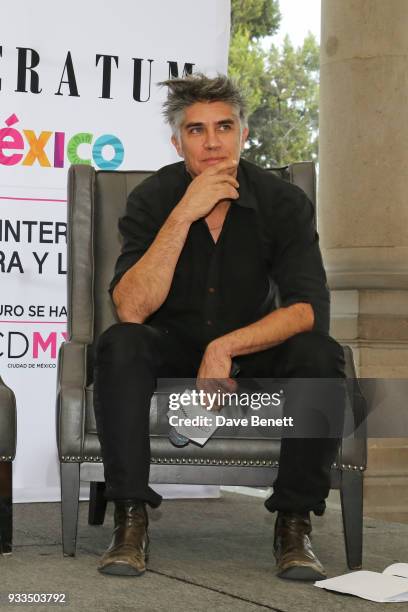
<point x="217" y="182"/>
<point x="214" y="371"/>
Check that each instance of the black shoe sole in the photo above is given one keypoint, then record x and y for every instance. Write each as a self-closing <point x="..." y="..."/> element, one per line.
<point x="301" y="572"/>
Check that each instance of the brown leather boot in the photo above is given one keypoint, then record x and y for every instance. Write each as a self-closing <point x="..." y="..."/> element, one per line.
<point x="295" y="558"/>
<point x="127" y="553"/>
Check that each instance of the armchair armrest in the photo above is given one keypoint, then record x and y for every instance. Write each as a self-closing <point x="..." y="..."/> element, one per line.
<point x="353" y="450"/>
<point x="71" y="402"/>
<point x="8" y="425"/>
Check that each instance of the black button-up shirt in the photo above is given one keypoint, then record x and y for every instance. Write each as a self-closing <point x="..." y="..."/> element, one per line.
<point x="268" y="239"/>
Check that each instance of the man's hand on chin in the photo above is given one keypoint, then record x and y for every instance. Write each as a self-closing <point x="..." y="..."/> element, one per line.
<point x="215" y="368"/>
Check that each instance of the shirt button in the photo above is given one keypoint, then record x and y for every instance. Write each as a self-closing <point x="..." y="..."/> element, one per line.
<point x="209" y="322"/>
<point x="211" y="289"/>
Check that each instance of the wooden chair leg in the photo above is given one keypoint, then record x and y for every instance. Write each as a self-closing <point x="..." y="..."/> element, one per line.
<point x="69" y="506"/>
<point x="97" y="503"/>
<point x="6" y="507"/>
<point x="351" y="496"/>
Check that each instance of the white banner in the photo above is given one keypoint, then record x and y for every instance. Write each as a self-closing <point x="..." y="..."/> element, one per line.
<point x="77" y="85"/>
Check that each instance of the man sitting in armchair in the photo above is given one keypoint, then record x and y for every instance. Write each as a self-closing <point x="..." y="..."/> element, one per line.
<point x="203" y="241"/>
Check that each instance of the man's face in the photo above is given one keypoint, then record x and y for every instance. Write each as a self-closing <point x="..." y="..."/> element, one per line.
<point x="209" y="133"/>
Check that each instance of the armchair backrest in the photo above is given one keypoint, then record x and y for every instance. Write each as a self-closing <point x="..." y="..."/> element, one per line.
<point x="96" y="200"/>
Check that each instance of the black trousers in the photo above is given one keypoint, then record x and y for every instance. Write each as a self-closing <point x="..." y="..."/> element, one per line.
<point x="129" y="359"/>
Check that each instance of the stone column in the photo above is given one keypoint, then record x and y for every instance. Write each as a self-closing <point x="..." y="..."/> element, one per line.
<point x="363" y="204"/>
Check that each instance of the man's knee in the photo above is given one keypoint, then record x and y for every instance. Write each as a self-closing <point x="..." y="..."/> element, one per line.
<point x="316" y="354"/>
<point x="126" y="342"/>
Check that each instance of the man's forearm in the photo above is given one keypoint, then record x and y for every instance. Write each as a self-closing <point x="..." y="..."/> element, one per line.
<point x="273" y="329"/>
<point x="145" y="286"/>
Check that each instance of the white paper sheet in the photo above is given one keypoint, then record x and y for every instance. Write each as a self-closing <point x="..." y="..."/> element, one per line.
<point x="387" y="587"/>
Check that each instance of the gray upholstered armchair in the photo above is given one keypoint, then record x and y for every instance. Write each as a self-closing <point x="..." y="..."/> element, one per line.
<point x="95" y="202"/>
<point x="8" y="430"/>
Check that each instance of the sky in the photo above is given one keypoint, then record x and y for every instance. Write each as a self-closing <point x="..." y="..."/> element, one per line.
<point x="298" y="17"/>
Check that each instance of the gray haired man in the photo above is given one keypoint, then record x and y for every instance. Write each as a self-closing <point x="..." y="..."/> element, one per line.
<point x="203" y="239"/>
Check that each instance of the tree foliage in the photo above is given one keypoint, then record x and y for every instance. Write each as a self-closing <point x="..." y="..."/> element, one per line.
<point x="281" y="85"/>
<point x="245" y="52"/>
<point x="258" y="17"/>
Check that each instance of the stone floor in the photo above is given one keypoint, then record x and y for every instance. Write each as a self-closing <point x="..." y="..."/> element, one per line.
<point x="205" y="555"/>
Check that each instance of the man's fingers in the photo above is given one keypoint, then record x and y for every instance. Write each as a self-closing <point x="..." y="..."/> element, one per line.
<point x="226" y="166"/>
<point x="215" y="388"/>
<point x="226" y="178"/>
<point x="222" y="385"/>
<point x="226" y="192"/>
<point x="233" y="194"/>
<point x="232" y="384"/>
<point x="227" y="385"/>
